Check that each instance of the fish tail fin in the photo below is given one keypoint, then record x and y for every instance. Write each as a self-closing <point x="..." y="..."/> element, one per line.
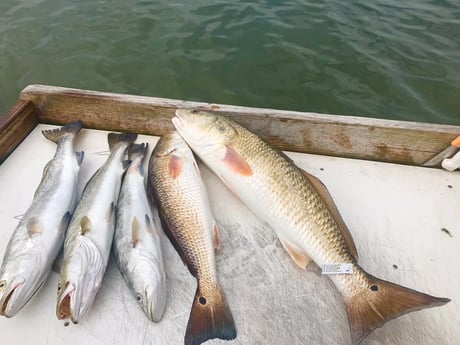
<point x="55" y="134"/>
<point x="381" y="301"/>
<point x="116" y="138"/>
<point x="210" y="318"/>
<point x="137" y="151"/>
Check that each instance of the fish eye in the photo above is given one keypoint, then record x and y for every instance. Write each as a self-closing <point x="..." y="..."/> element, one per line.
<point x="194" y="111"/>
<point x="59" y="286"/>
<point x="139" y="298"/>
<point x="2" y="284"/>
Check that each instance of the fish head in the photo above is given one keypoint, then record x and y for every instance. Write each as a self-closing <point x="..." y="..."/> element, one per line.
<point x="14" y="295"/>
<point x="19" y="281"/>
<point x="203" y="131"/>
<point x="77" y="288"/>
<point x="148" y="287"/>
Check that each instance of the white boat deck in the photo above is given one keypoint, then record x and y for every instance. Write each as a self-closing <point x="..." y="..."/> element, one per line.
<point x="405" y="222"/>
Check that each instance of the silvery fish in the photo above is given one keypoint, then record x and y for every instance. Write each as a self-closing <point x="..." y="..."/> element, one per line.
<point x="306" y="223"/>
<point x="39" y="235"/>
<point x="137" y="241"/>
<point x="90" y="234"/>
<point x="175" y="182"/>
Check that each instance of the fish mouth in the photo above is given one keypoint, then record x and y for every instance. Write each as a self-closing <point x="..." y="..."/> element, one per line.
<point x="8" y="307"/>
<point x="64" y="307"/>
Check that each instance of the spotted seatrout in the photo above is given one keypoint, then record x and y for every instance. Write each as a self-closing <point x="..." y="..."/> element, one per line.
<point x="185" y="212"/>
<point x="308" y="226"/>
<point x="39" y="235"/>
<point x="90" y="233"/>
<point x="137" y="242"/>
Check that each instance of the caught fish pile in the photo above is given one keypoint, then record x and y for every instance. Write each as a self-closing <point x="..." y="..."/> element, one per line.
<point x="279" y="193"/>
<point x="118" y="212"/>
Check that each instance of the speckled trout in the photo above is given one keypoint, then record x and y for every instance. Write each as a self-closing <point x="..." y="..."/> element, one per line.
<point x="306" y="222"/>
<point x="90" y="234"/>
<point x="185" y="212"/>
<point x="38" y="238"/>
<point x="137" y="241"/>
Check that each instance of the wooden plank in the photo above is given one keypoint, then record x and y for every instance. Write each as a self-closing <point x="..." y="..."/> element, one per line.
<point x="15" y="125"/>
<point x="334" y="135"/>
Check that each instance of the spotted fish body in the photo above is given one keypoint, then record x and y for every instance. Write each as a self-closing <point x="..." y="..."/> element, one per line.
<point x="175" y="182"/>
<point x="90" y="233"/>
<point x="137" y="241"/>
<point x="300" y="210"/>
<point x="40" y="233"/>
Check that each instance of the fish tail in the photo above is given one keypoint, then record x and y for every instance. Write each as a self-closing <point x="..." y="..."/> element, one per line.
<point x="116" y="138"/>
<point x="55" y="134"/>
<point x="210" y="318"/>
<point x="380" y="301"/>
<point x="137" y="150"/>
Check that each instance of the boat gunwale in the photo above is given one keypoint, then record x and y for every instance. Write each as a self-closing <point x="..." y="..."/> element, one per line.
<point x="392" y="141"/>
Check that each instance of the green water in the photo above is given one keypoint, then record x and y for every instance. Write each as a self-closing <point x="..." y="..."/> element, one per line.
<point x="379" y="58"/>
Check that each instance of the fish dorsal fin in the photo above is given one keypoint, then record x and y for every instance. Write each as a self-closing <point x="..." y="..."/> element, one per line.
<point x="110" y="217"/>
<point x="301" y="259"/>
<point x="175" y="165"/>
<point x="85" y="225"/>
<point x="151" y="229"/>
<point x="237" y="163"/>
<point x="135" y="232"/>
<point x="80" y="155"/>
<point x="216" y="237"/>
<point x="65" y="222"/>
<point x="321" y="189"/>
<point x="34" y="226"/>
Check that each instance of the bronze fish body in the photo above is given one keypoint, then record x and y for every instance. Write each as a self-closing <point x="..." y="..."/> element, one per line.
<point x="175" y="182"/>
<point x="300" y="210"/>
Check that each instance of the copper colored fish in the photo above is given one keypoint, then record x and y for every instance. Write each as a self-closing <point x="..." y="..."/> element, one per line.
<point x="300" y="210"/>
<point x="185" y="212"/>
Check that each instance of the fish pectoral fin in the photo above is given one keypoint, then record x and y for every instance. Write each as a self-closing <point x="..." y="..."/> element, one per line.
<point x="323" y="192"/>
<point x="135" y="232"/>
<point x="216" y="237"/>
<point x="301" y="259"/>
<point x="175" y="165"/>
<point x="34" y="226"/>
<point x="85" y="225"/>
<point x="65" y="221"/>
<point x="235" y="162"/>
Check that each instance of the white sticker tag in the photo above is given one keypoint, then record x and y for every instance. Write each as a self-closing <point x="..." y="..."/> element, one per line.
<point x="343" y="268"/>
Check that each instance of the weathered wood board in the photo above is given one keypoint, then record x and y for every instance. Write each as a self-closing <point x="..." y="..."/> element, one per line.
<point x="332" y="135"/>
<point x="396" y="214"/>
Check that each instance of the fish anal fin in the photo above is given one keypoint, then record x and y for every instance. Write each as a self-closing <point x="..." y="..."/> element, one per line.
<point x="301" y="259"/>
<point x="379" y="301"/>
<point x="85" y="225"/>
<point x="135" y="232"/>
<point x="323" y="192"/>
<point x="216" y="237"/>
<point x="237" y="163"/>
<point x="34" y="226"/>
<point x="175" y="165"/>
<point x="210" y="317"/>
